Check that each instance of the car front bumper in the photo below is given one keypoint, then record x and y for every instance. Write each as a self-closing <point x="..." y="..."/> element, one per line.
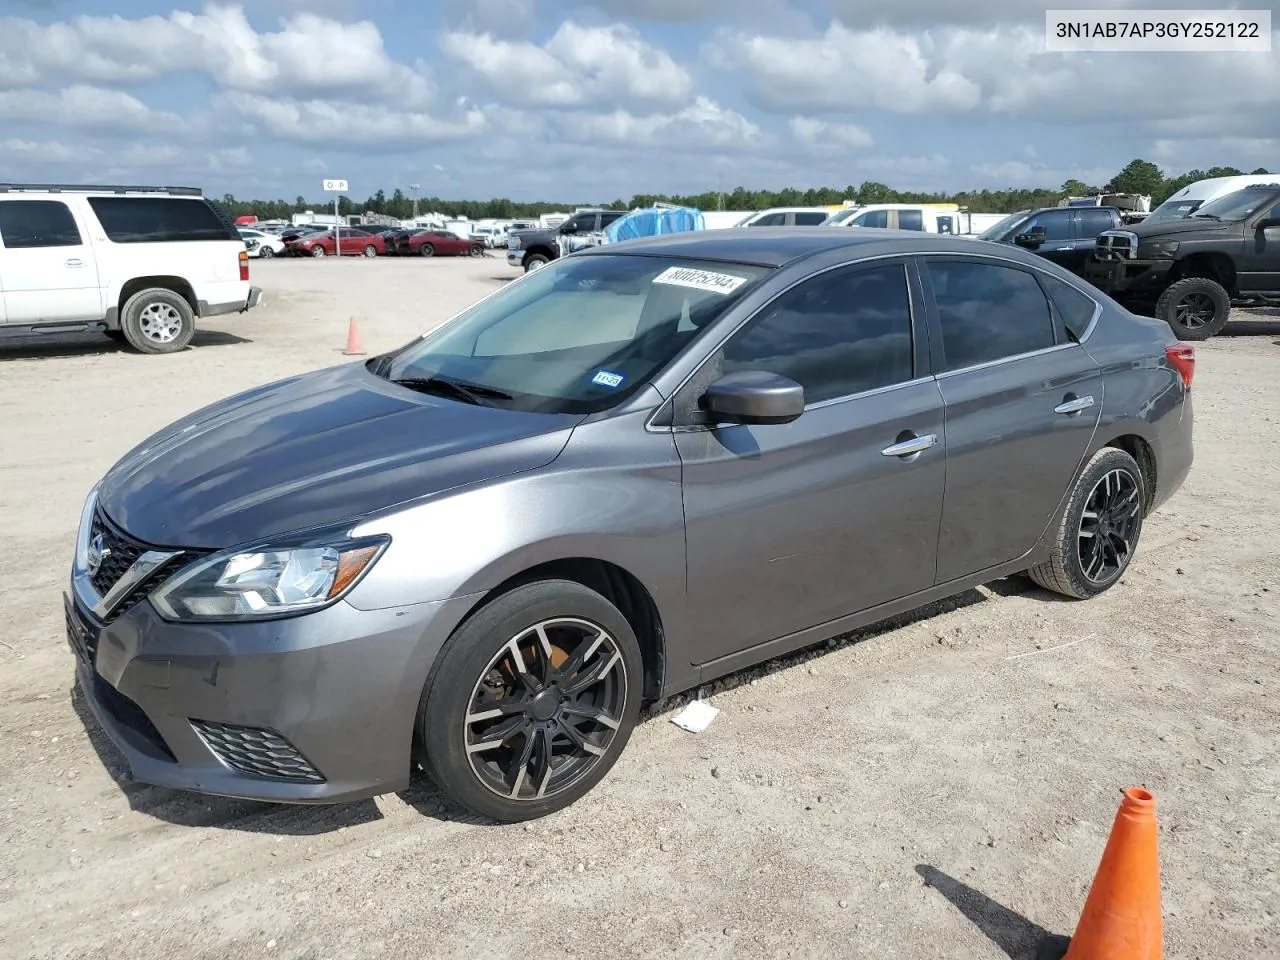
<point x="318" y="708"/>
<point x="1124" y="277"/>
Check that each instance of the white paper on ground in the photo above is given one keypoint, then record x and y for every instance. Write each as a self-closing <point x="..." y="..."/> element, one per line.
<point x="696" y="717"/>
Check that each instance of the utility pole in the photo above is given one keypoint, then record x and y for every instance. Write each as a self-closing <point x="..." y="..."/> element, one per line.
<point x="720" y="190"/>
<point x="414" y="188"/>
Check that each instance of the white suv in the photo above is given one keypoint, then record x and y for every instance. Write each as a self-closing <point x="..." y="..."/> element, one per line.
<point x="136" y="263"/>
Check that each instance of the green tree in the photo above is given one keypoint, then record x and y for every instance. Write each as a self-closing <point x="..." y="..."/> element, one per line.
<point x="1078" y="188"/>
<point x="1138" y="176"/>
<point x="1261" y="172"/>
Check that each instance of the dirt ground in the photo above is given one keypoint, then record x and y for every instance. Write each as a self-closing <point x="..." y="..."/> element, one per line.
<point x="942" y="787"/>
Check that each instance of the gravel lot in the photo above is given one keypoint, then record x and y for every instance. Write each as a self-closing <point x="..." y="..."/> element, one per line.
<point x="941" y="788"/>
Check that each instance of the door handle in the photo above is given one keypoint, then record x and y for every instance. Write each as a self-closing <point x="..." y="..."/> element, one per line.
<point x="911" y="446"/>
<point x="75" y="262"/>
<point x="1074" y="405"/>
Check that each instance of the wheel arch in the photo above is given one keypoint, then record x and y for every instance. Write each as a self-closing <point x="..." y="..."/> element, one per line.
<point x="173" y="284"/>
<point x="1142" y="452"/>
<point x="1211" y="266"/>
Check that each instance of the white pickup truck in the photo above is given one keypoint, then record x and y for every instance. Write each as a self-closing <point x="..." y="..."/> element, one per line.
<point x="139" y="264"/>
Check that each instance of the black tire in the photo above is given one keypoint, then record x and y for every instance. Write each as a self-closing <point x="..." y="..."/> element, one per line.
<point x="426" y="250"/>
<point x="475" y="668"/>
<point x="1196" y="308"/>
<point x="1073" y="568"/>
<point x="535" y="261"/>
<point x="116" y="335"/>
<point x="157" y="321"/>
<point x="265" y="253"/>
<point x="477" y="251"/>
<point x="370" y="250"/>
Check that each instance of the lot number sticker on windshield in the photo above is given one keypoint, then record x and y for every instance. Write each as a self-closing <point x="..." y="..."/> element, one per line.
<point x="722" y="283"/>
<point x="607" y="379"/>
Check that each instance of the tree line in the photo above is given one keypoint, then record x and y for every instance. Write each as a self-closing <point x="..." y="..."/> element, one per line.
<point x="1138" y="176"/>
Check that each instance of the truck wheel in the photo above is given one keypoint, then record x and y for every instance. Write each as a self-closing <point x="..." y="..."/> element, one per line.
<point x="535" y="261"/>
<point x="1196" y="308"/>
<point x="158" y="321"/>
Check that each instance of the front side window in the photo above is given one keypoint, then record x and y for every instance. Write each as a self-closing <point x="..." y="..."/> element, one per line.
<point x="578" y="335"/>
<point x="873" y="218"/>
<point x="28" y="224"/>
<point x="771" y="220"/>
<point x="1002" y="231"/>
<point x="1056" y="223"/>
<point x="159" y="220"/>
<point x="838" y="334"/>
<point x="988" y="312"/>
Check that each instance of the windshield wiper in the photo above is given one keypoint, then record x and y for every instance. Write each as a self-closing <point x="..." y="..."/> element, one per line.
<point x="1206" y="216"/>
<point x="467" y="392"/>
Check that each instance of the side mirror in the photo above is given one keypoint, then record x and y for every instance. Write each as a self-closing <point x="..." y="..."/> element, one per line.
<point x="1269" y="222"/>
<point x="569" y="227"/>
<point x="754" y="396"/>
<point x="1032" y="238"/>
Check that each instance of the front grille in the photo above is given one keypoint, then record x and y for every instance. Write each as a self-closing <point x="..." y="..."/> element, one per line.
<point x="257" y="752"/>
<point x="121" y="552"/>
<point x="128" y="714"/>
<point x="1116" y="245"/>
<point x="82" y="635"/>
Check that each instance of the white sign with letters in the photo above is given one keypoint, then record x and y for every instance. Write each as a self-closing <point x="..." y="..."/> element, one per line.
<point x="335" y="186"/>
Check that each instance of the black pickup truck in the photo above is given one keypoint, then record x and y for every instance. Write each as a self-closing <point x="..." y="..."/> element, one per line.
<point x="1189" y="272"/>
<point x="532" y="249"/>
<point x="1064" y="235"/>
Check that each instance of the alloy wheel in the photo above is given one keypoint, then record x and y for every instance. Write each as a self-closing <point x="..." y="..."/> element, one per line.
<point x="160" y="322"/>
<point x="1108" y="525"/>
<point x="1194" y="310"/>
<point x="546" y="709"/>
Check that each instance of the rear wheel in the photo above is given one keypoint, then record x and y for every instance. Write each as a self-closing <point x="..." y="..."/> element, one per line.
<point x="426" y="250"/>
<point x="318" y="251"/>
<point x="265" y="252"/>
<point x="533" y="701"/>
<point x="370" y="250"/>
<point x="477" y="251"/>
<point x="157" y="321"/>
<point x="1099" y="529"/>
<point x="1196" y="308"/>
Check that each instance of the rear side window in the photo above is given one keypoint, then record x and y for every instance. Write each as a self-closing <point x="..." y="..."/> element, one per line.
<point x="875" y="218"/>
<point x="1075" y="308"/>
<point x="1093" y="222"/>
<point x="27" y="224"/>
<point x="158" y="220"/>
<point x="809" y="218"/>
<point x="988" y="312"/>
<point x="910" y="220"/>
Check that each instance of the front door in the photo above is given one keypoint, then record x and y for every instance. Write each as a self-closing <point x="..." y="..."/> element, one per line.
<point x="790" y="526"/>
<point x="47" y="270"/>
<point x="1260" y="263"/>
<point x="1059" y="241"/>
<point x="1021" y="402"/>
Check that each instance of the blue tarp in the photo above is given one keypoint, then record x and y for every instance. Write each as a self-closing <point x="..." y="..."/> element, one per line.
<point x="654" y="222"/>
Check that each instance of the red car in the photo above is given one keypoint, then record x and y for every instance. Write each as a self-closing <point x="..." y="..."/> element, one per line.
<point x="355" y="243"/>
<point x="428" y="243"/>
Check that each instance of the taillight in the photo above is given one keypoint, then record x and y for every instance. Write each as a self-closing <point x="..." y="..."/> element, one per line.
<point x="1183" y="358"/>
<point x="244" y="264"/>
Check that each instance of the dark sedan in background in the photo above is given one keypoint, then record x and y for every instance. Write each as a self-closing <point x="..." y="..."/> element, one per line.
<point x="644" y="466"/>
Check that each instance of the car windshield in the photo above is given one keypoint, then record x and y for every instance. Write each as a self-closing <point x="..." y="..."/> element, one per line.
<point x="1237" y="206"/>
<point x="1000" y="230"/>
<point x="840" y="218"/>
<point x="576" y="336"/>
<point x="1172" y="210"/>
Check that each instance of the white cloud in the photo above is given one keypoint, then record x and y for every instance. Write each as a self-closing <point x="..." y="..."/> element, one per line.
<point x="308" y="54"/>
<point x="85" y="106"/>
<point x="821" y="136"/>
<point x="934" y="13"/>
<point x="1019" y="173"/>
<point x="579" y="66"/>
<point x="705" y="124"/>
<point x="500" y="17"/>
<point x="348" y="126"/>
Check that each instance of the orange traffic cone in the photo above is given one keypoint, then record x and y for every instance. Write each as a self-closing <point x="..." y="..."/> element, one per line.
<point x="1121" y="918"/>
<point x="354" y="347"/>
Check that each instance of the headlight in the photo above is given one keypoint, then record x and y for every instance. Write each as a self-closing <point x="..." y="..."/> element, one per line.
<point x="259" y="584"/>
<point x="86" y="524"/>
<point x="1157" y="249"/>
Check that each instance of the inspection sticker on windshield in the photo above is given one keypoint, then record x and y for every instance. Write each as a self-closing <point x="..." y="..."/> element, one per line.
<point x="722" y="283"/>
<point x="607" y="379"/>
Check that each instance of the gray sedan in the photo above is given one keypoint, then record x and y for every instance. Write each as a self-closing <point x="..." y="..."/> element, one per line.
<point x="645" y="466"/>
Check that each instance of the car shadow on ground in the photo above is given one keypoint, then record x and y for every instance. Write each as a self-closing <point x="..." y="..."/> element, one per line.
<point x="53" y="346"/>
<point x="198" y="810"/>
<point x="1018" y="937"/>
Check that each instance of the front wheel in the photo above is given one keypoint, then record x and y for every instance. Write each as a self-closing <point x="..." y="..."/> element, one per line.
<point x="477" y="251"/>
<point x="318" y="251"/>
<point x="535" y="262"/>
<point x="426" y="250"/>
<point x="534" y="699"/>
<point x="370" y="250"/>
<point x="1099" y="529"/>
<point x="1196" y="308"/>
<point x="265" y="253"/>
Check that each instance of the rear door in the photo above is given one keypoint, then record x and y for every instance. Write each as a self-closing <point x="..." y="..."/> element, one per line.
<point x="1021" y="399"/>
<point x="47" y="268"/>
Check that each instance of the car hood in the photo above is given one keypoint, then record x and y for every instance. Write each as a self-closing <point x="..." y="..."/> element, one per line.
<point x="1169" y="228"/>
<point x="325" y="447"/>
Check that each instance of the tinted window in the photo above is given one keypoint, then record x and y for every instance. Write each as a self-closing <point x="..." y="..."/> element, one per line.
<point x="1056" y="223"/>
<point x="607" y="218"/>
<point x="988" y="312"/>
<point x="1093" y="222"/>
<point x="1074" y="307"/>
<point x="809" y="218"/>
<point x="873" y="218"/>
<point x="944" y="224"/>
<point x="910" y="220"/>
<point x="159" y="220"/>
<point x="37" y="223"/>
<point x="772" y="220"/>
<point x="835" y="335"/>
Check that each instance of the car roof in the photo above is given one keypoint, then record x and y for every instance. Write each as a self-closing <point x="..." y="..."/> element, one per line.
<point x="774" y="247"/>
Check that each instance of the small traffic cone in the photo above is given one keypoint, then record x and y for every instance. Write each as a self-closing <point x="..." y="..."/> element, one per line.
<point x="1121" y="918"/>
<point x="354" y="347"/>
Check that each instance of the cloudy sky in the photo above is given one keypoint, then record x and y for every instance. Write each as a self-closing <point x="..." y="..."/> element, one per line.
<point x="548" y="99"/>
